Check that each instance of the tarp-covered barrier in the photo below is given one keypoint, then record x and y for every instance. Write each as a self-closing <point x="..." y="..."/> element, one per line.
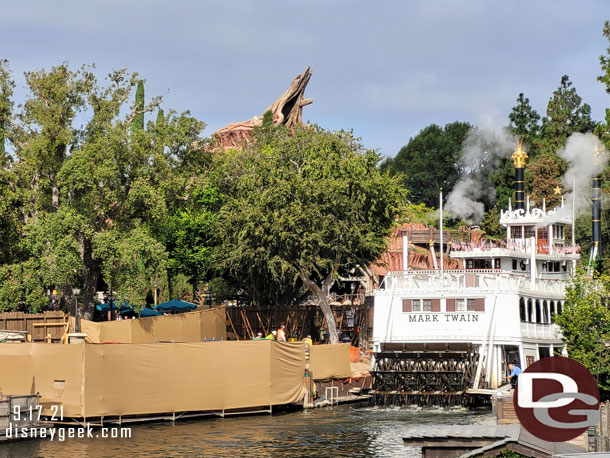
<point x="330" y="361"/>
<point x="139" y="379"/>
<point x="185" y="327"/>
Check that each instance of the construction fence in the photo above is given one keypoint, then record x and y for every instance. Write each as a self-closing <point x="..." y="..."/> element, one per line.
<point x="94" y="380"/>
<point x="197" y="326"/>
<point x="49" y="326"/>
<point x="243" y="322"/>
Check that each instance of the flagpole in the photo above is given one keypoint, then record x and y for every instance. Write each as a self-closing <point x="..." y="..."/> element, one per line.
<point x="573" y="223"/>
<point x="441" y="226"/>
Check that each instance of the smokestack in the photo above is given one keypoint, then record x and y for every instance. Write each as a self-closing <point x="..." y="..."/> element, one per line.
<point x="519" y="157"/>
<point x="596" y="211"/>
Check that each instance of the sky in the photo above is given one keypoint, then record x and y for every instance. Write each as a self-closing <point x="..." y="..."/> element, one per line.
<point x="384" y="69"/>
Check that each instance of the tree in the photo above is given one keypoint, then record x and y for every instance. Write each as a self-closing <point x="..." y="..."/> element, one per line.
<point x="542" y="177"/>
<point x="603" y="129"/>
<point x="303" y="205"/>
<point x="524" y="120"/>
<point x="585" y="324"/>
<point x="6" y="105"/>
<point x="191" y="241"/>
<point x="138" y="109"/>
<point x="95" y="203"/>
<point x="430" y="161"/>
<point x="565" y="114"/>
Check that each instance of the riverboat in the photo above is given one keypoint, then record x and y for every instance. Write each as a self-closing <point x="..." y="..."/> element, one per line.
<point x="441" y="334"/>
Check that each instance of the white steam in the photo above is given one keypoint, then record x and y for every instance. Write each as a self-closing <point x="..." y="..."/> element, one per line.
<point x="481" y="154"/>
<point x="583" y="164"/>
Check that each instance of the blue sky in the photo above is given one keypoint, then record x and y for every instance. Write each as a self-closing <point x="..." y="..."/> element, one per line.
<point x="385" y="69"/>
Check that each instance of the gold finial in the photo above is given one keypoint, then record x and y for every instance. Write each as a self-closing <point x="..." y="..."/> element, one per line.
<point x="557" y="190"/>
<point x="519" y="156"/>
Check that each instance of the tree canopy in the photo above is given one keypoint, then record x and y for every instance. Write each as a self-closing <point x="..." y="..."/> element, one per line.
<point x="585" y="324"/>
<point x="430" y="161"/>
<point x="303" y="205"/>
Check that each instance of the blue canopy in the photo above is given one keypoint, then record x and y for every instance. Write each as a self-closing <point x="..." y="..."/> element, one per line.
<point x="124" y="307"/>
<point x="146" y="312"/>
<point x="175" y="306"/>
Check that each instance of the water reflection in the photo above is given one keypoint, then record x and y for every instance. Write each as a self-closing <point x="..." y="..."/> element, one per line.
<point x="344" y="431"/>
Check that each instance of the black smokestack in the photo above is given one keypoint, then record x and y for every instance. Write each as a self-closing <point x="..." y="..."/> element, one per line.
<point x="596" y="214"/>
<point x="519" y="157"/>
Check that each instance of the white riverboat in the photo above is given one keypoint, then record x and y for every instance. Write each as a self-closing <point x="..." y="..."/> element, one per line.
<point x="454" y="330"/>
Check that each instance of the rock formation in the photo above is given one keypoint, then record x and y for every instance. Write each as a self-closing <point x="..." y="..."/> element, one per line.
<point x="287" y="110"/>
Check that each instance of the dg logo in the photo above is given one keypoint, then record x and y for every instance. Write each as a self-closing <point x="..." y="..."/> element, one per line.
<point x="556" y="399"/>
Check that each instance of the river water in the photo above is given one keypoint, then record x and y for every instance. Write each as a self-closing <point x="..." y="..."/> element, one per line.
<point x="343" y="431"/>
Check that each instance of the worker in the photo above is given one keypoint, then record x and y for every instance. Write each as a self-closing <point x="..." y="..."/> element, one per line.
<point x="514" y="374"/>
<point x="308" y="342"/>
<point x="259" y="336"/>
<point x="281" y="333"/>
<point x="272" y="336"/>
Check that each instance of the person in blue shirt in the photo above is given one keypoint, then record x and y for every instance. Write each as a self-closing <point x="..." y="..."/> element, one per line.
<point x="514" y="374"/>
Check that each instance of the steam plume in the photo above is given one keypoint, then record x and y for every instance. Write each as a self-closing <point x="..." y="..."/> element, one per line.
<point x="481" y="153"/>
<point x="579" y="153"/>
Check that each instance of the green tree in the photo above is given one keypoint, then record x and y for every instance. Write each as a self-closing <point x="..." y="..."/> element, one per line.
<point x="88" y="196"/>
<point x="542" y="177"/>
<point x="6" y="105"/>
<point x="524" y="120"/>
<point x="430" y="161"/>
<point x="139" y="109"/>
<point x="192" y="241"/>
<point x="302" y="206"/>
<point x="585" y="324"/>
<point x="565" y="114"/>
<point x="603" y="129"/>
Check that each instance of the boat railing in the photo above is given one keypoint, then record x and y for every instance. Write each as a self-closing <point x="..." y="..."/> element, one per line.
<point x="487" y="280"/>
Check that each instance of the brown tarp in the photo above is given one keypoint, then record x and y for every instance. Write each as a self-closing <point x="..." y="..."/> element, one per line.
<point x="330" y="361"/>
<point x="138" y="379"/>
<point x="184" y="327"/>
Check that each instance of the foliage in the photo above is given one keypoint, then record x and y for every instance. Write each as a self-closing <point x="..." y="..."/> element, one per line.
<point x="509" y="454"/>
<point x="524" y="120"/>
<point x="138" y="120"/>
<point x="300" y="206"/>
<point x="430" y="162"/>
<point x="603" y="129"/>
<point x="565" y="114"/>
<point x="585" y="323"/>
<point x="6" y="105"/>
<point x="491" y="223"/>
<point x="94" y="203"/>
<point x="131" y="262"/>
<point x="182" y="288"/>
<point x="191" y="235"/>
<point x="419" y="213"/>
<point x="542" y="176"/>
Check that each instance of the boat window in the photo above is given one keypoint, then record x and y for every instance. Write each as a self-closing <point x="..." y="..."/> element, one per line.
<point x="516" y="232"/>
<point x="514" y="264"/>
<point x="478" y="263"/>
<point x="470" y="305"/>
<point x="496" y="263"/>
<point x="522" y="311"/>
<point x="417" y="305"/>
<point x="427" y="307"/>
<point x="460" y="305"/>
<point x="529" y="231"/>
<point x="558" y="231"/>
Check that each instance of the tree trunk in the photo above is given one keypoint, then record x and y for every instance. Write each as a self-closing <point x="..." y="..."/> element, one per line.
<point x="322" y="294"/>
<point x="66" y="292"/>
<point x="91" y="275"/>
<point x="330" y="317"/>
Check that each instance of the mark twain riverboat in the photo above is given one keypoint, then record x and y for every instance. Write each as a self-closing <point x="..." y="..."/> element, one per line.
<point x="446" y="337"/>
